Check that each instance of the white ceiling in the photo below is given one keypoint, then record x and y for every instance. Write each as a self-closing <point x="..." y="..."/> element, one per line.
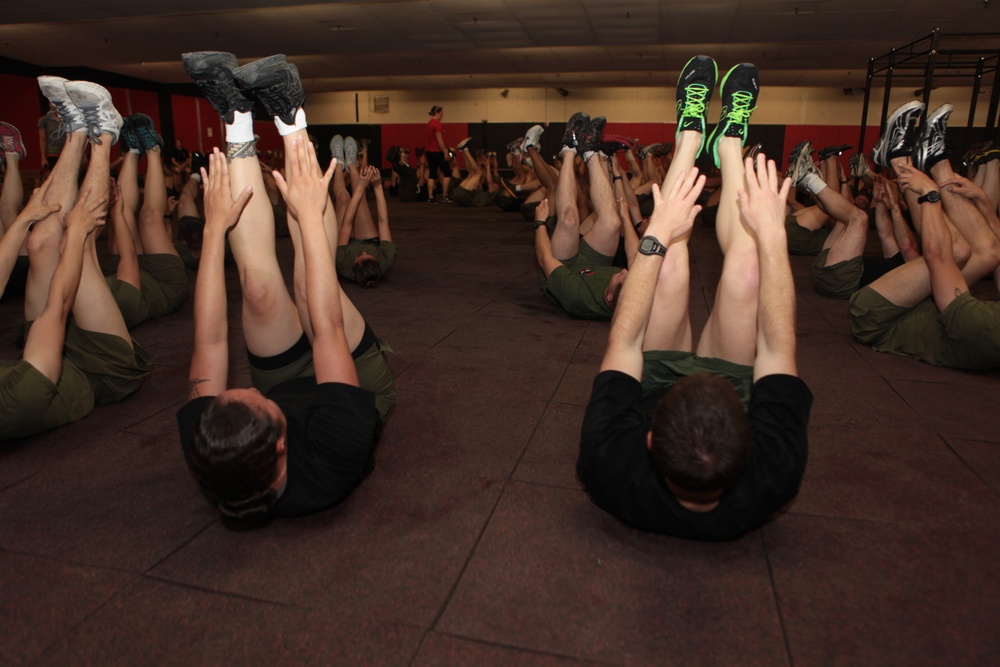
<point x="431" y="44"/>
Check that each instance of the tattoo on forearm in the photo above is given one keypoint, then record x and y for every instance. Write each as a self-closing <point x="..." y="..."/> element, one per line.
<point x="245" y="149"/>
<point x="193" y="390"/>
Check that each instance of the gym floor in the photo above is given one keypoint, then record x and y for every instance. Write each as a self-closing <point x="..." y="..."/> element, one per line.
<point x="472" y="542"/>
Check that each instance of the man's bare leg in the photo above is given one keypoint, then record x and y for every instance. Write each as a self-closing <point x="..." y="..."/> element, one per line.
<point x="12" y="195"/>
<point x="155" y="239"/>
<point x="603" y="236"/>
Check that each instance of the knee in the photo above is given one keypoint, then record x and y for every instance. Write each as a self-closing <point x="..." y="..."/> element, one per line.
<point x="742" y="271"/>
<point x="44" y="240"/>
<point x="961" y="249"/>
<point x="261" y="289"/>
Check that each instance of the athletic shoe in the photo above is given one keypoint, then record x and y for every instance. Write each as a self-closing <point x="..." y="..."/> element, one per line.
<point x="127" y="139"/>
<point x="198" y="160"/>
<point x="350" y="152"/>
<point x="213" y="72"/>
<point x="445" y="200"/>
<point x="739" y="89"/>
<point x="899" y="133"/>
<point x="799" y="160"/>
<point x="578" y="123"/>
<point x="833" y="151"/>
<point x="515" y="146"/>
<point x="588" y="136"/>
<point x="930" y="147"/>
<point x="11" y="141"/>
<point x="859" y="166"/>
<point x="54" y="89"/>
<point x="144" y="132"/>
<point x="337" y="149"/>
<point x="531" y="138"/>
<point x="975" y="150"/>
<point x="98" y="110"/>
<point x="276" y="84"/>
<point x="612" y="143"/>
<point x="463" y="143"/>
<point x="694" y="93"/>
<point x="663" y="150"/>
<point x="987" y="155"/>
<point x="752" y="151"/>
<point x="649" y="150"/>
<point x="392" y="155"/>
<point x="804" y="174"/>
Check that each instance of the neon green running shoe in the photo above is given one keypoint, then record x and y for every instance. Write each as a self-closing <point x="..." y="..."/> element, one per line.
<point x="694" y="92"/>
<point x="739" y="99"/>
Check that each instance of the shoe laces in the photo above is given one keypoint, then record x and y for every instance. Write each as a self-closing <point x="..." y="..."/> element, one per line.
<point x="741" y="109"/>
<point x="694" y="99"/>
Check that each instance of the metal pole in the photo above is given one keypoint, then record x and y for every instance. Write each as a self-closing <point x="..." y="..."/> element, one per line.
<point x="864" y="110"/>
<point x="972" y="104"/>
<point x="929" y="73"/>
<point x="888" y="88"/>
<point x="991" y="117"/>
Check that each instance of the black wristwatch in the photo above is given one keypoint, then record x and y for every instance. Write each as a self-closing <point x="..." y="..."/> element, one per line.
<point x="933" y="197"/>
<point x="649" y="245"/>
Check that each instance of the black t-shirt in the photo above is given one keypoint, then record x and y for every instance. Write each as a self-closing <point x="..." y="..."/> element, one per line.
<point x="617" y="469"/>
<point x="330" y="441"/>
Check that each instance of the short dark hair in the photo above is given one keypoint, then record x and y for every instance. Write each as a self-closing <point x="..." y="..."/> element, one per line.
<point x="701" y="434"/>
<point x="193" y="234"/>
<point x="233" y="458"/>
<point x="434" y="110"/>
<point x="367" y="272"/>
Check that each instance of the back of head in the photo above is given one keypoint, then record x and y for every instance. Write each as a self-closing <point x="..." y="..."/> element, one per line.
<point x="193" y="234"/>
<point x="701" y="434"/>
<point x="367" y="272"/>
<point x="233" y="458"/>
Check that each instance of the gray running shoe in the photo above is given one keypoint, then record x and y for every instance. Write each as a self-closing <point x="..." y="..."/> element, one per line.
<point x="98" y="110"/>
<point x="54" y="88"/>
<point x="350" y="151"/>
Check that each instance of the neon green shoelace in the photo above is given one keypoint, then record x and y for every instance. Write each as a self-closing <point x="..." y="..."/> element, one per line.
<point x="740" y="113"/>
<point x="694" y="100"/>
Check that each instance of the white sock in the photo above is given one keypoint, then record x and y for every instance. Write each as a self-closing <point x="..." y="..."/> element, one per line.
<point x="587" y="155"/>
<point x="813" y="183"/>
<point x="196" y="176"/>
<point x="240" y="131"/>
<point x="300" y="123"/>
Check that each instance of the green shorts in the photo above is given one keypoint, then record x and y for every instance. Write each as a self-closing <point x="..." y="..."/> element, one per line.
<point x="372" y="365"/>
<point x="528" y="210"/>
<point x="164" y="282"/>
<point x="966" y="335"/>
<point x="31" y="403"/>
<point x="802" y="241"/>
<point x="113" y="368"/>
<point x="838" y="281"/>
<point x="663" y="368"/>
<point x="476" y="198"/>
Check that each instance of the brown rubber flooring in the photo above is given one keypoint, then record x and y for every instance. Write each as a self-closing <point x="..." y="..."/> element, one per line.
<point x="472" y="543"/>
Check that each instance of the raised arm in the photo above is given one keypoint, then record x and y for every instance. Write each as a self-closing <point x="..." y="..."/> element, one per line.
<point x="210" y="359"/>
<point x="672" y="218"/>
<point x="543" y="244"/>
<point x="762" y="208"/>
<point x="43" y="347"/>
<point x="15" y="235"/>
<point x="305" y="192"/>
<point x="381" y="208"/>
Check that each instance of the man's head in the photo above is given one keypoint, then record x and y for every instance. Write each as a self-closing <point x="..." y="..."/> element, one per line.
<point x="436" y="112"/>
<point x="237" y="444"/>
<point x="366" y="270"/>
<point x="614" y="288"/>
<point x="700" y="436"/>
<point x="863" y="200"/>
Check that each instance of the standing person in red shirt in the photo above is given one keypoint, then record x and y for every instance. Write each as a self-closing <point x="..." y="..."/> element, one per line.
<point x="437" y="155"/>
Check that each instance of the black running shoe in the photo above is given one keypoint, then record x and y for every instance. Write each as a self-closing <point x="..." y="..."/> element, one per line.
<point x="127" y="139"/>
<point x="694" y="93"/>
<point x="752" y="151"/>
<point x="275" y="83"/>
<point x="899" y="134"/>
<point x="833" y="151"/>
<point x="213" y="72"/>
<point x="144" y="132"/>
<point x="930" y="147"/>
<point x="578" y="123"/>
<point x="739" y="90"/>
<point x="589" y="137"/>
<point x="986" y="155"/>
